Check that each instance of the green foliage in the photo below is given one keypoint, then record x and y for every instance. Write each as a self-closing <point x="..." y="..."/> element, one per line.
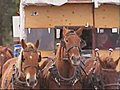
<point x="8" y="9"/>
<point x="17" y="1"/>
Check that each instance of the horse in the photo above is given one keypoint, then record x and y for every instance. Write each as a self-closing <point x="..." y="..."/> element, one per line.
<point x="23" y="71"/>
<point x="110" y="78"/>
<point x="101" y="73"/>
<point x="65" y="70"/>
<point x="5" y="54"/>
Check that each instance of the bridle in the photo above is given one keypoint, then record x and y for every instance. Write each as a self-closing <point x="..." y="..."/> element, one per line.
<point x="99" y="80"/>
<point x="67" y="49"/>
<point x="15" y="80"/>
<point x="31" y="50"/>
<point x="78" y="70"/>
<point x="117" y="84"/>
<point x="95" y="78"/>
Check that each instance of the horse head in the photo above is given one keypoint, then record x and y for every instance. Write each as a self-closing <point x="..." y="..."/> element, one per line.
<point x="108" y="73"/>
<point x="71" y="45"/>
<point x="108" y="62"/>
<point x="30" y="59"/>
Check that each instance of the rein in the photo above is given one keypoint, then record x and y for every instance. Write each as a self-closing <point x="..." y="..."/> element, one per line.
<point x="67" y="49"/>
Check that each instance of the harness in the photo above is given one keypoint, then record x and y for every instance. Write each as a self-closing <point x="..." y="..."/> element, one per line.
<point x="15" y="80"/>
<point x="61" y="80"/>
<point x="95" y="78"/>
<point x="117" y="84"/>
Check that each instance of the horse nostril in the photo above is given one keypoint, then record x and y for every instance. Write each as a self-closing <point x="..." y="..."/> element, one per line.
<point x="72" y="57"/>
<point x="28" y="80"/>
<point x="35" y="81"/>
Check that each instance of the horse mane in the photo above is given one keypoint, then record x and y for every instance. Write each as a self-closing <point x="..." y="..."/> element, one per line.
<point x="59" y="52"/>
<point x="19" y="61"/>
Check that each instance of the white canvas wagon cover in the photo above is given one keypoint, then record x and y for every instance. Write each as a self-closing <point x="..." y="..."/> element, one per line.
<point x="61" y="2"/>
<point x="42" y="2"/>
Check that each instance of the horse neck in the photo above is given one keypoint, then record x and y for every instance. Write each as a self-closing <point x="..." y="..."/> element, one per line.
<point x="64" y="67"/>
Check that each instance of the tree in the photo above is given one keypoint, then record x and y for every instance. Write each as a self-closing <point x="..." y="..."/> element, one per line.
<point x="7" y="10"/>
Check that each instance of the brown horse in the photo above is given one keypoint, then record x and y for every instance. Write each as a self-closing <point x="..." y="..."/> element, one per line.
<point x="101" y="73"/>
<point x="65" y="72"/>
<point x="5" y="54"/>
<point x="23" y="71"/>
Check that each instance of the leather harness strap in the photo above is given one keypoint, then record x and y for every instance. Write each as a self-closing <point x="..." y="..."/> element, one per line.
<point x="61" y="80"/>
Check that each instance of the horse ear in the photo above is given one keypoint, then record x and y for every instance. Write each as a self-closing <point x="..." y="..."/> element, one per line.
<point x="22" y="57"/>
<point x="83" y="43"/>
<point x="65" y="30"/>
<point x="101" y="62"/>
<point x="63" y="43"/>
<point x="37" y="44"/>
<point x="10" y="51"/>
<point x="39" y="53"/>
<point x="5" y="49"/>
<point x="117" y="61"/>
<point x="79" y="31"/>
<point x="23" y="44"/>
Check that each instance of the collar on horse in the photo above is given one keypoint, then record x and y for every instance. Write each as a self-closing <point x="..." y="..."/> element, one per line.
<point x="67" y="81"/>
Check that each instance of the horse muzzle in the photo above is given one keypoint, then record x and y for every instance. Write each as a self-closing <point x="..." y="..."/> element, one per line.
<point x="31" y="82"/>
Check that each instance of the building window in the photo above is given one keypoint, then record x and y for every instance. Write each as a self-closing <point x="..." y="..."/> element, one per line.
<point x="44" y="35"/>
<point x="109" y="38"/>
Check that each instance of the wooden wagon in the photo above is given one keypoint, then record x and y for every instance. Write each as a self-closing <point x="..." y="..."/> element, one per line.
<point x="45" y="21"/>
